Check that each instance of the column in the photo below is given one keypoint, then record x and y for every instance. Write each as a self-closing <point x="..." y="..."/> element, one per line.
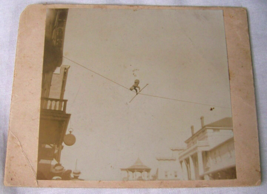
<point x="127" y="175"/>
<point x="200" y="163"/>
<point x="206" y="177"/>
<point x="132" y="175"/>
<point x="192" y="168"/>
<point x="184" y="169"/>
<point x="144" y="175"/>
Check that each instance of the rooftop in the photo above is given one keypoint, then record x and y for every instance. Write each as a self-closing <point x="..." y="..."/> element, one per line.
<point x="165" y="159"/>
<point x="225" y="123"/>
<point x="138" y="165"/>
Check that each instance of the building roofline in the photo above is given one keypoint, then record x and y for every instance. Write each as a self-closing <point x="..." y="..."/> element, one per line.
<point x="177" y="149"/>
<point x="205" y="128"/>
<point x="224" y="123"/>
<point x="166" y="159"/>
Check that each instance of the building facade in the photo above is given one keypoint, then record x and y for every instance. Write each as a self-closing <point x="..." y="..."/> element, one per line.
<point x="54" y="119"/>
<point x="169" y="168"/>
<point x="210" y="152"/>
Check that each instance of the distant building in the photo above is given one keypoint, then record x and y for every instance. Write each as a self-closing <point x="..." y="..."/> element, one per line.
<point x="169" y="168"/>
<point x="210" y="152"/>
<point x="138" y="171"/>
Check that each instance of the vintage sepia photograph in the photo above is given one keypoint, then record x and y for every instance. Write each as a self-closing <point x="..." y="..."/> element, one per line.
<point x="135" y="94"/>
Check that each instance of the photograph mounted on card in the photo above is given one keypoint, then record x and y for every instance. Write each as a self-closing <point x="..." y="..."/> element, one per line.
<point x="133" y="96"/>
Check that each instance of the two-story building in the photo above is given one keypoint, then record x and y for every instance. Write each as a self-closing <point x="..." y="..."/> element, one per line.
<point x="210" y="152"/>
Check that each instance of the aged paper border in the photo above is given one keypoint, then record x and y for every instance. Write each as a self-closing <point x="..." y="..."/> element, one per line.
<point x="21" y="158"/>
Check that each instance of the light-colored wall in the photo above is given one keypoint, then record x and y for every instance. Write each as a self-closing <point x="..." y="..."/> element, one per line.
<point x="56" y="84"/>
<point x="169" y="170"/>
<point x="218" y="136"/>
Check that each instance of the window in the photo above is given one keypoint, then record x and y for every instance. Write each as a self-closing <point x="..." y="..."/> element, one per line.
<point x="166" y="174"/>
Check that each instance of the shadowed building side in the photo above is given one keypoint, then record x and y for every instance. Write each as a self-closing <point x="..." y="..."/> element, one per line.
<point x="53" y="117"/>
<point x="54" y="41"/>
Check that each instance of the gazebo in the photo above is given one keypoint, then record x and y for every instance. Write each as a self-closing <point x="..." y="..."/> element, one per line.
<point x="138" y="171"/>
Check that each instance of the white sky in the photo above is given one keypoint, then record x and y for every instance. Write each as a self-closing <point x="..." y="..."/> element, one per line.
<point x="181" y="54"/>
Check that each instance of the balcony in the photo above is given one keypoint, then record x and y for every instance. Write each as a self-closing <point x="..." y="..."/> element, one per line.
<point x="202" y="143"/>
<point x="54" y="104"/>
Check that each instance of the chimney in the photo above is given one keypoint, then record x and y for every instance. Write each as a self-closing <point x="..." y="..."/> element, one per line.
<point x="202" y="121"/>
<point x="192" y="129"/>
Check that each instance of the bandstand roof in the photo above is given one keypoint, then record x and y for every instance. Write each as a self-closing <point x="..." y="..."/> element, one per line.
<point x="137" y="166"/>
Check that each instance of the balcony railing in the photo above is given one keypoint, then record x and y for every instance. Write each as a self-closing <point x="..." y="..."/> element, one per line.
<point x="54" y="104"/>
<point x="202" y="143"/>
<point x="198" y="143"/>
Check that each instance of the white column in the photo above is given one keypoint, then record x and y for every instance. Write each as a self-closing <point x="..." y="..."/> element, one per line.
<point x="144" y="175"/>
<point x="200" y="163"/>
<point x="192" y="168"/>
<point x="206" y="177"/>
<point x="185" y="173"/>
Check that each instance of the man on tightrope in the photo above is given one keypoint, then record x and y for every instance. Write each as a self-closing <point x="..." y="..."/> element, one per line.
<point x="135" y="86"/>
